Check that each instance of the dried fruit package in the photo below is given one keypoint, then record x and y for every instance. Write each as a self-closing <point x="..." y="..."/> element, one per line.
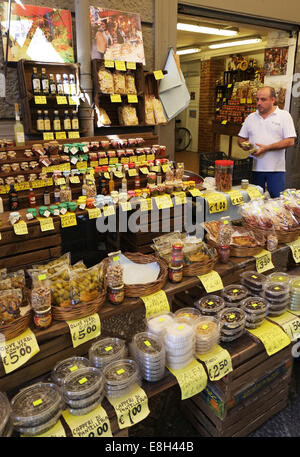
<point x="119" y="83"/>
<point x="60" y="287"/>
<point x="130" y="84"/>
<point x="84" y="285"/>
<point x="106" y="81"/>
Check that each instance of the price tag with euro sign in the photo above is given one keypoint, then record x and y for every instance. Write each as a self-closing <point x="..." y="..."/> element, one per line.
<point x="131" y="408"/>
<point x="94" y="424"/>
<point x="216" y="203"/>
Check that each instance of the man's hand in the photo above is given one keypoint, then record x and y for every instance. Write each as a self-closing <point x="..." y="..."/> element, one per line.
<point x="262" y="148"/>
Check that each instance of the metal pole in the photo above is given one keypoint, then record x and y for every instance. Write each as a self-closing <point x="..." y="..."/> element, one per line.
<point x="86" y="112"/>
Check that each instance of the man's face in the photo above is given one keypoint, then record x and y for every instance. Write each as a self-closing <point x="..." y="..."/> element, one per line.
<point x="264" y="101"/>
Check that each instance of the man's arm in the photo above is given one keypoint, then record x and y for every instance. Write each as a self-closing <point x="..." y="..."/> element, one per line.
<point x="242" y="140"/>
<point x="286" y="143"/>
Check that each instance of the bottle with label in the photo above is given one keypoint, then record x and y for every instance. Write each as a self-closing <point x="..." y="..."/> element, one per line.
<point x="45" y="82"/>
<point x="83" y="190"/>
<point x="103" y="187"/>
<point x="47" y="199"/>
<point x="52" y="84"/>
<point x="137" y="181"/>
<point x="75" y="121"/>
<point x="47" y="122"/>
<point x="13" y="198"/>
<point x="31" y="198"/>
<point x="73" y="90"/>
<point x="67" y="121"/>
<point x="36" y="82"/>
<point x="40" y="126"/>
<point x="59" y="85"/>
<point x="111" y="184"/>
<point x="1" y="206"/>
<point x="56" y="122"/>
<point x="57" y="194"/>
<point x="124" y="183"/>
<point x="66" y="84"/>
<point x="18" y="128"/>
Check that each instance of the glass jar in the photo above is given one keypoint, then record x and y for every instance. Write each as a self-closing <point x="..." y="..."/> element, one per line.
<point x="116" y="295"/>
<point x="223" y="175"/>
<point x="175" y="274"/>
<point x="244" y="184"/>
<point x="42" y="317"/>
<point x="223" y="253"/>
<point x="177" y="255"/>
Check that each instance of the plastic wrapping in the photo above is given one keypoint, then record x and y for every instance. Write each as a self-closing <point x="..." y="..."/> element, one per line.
<point x="232" y="323"/>
<point x="210" y="305"/>
<point x="120" y="377"/>
<point x="84" y="285"/>
<point x="150" y="355"/>
<point x="67" y="366"/>
<point x="105" y="351"/>
<point x="60" y="287"/>
<point x="106" y="81"/>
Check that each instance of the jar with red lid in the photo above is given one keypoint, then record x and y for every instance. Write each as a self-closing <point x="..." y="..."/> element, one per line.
<point x="223" y="175"/>
<point x="177" y="255"/>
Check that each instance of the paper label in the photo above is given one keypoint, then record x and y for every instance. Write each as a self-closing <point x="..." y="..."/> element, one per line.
<point x="131" y="65"/>
<point x="60" y="181"/>
<point x="295" y="248"/>
<point x="20" y="228"/>
<point x="40" y="100"/>
<point x="74" y="180"/>
<point x="115" y="98"/>
<point x="85" y="329"/>
<point x="179" y="198"/>
<point x="81" y="165"/>
<point x="94" y="213"/>
<point x="218" y="363"/>
<point x="109" y="63"/>
<point x="61" y="135"/>
<point x="264" y="261"/>
<point x="46" y="224"/>
<point x="95" y="424"/>
<point x="146" y="204"/>
<point x="131" y="408"/>
<point x="118" y="174"/>
<point x="163" y="202"/>
<point x="158" y="74"/>
<point x="132" y="172"/>
<point x="211" y="281"/>
<point x="48" y="136"/>
<point x="216" y="203"/>
<point x="236" y="197"/>
<point x="68" y="220"/>
<point x="144" y="170"/>
<point x="254" y="193"/>
<point x="22" y="186"/>
<point x="120" y="65"/>
<point x="289" y="323"/>
<point x="126" y="206"/>
<point x="156" y="303"/>
<point x="195" y="192"/>
<point x="73" y="135"/>
<point x="191" y="379"/>
<point x="17" y="351"/>
<point x="273" y="337"/>
<point x="94" y="163"/>
<point x="61" y="100"/>
<point x="132" y="98"/>
<point x="109" y="210"/>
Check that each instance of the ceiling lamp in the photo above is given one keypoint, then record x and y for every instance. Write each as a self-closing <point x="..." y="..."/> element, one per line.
<point x="182" y="52"/>
<point x="207" y="30"/>
<point x="228" y="44"/>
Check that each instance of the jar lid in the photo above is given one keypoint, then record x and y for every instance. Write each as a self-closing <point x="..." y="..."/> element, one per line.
<point x="224" y="163"/>
<point x="43" y="310"/>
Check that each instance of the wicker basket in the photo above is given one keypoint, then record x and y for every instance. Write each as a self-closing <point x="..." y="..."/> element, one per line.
<point x="17" y="326"/>
<point x="142" y="290"/>
<point x="200" y="268"/>
<point x="282" y="236"/>
<point x="69" y="313"/>
<point x="237" y="251"/>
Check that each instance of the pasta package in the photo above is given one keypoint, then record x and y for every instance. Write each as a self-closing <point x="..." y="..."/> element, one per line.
<point x="102" y="117"/>
<point x="149" y="112"/>
<point x="130" y="84"/>
<point x="127" y="115"/>
<point x="119" y="83"/>
<point x="106" y="81"/>
<point x="158" y="112"/>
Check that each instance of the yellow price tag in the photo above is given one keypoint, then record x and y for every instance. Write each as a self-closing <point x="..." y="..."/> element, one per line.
<point x="74" y="100"/>
<point x="22" y="186"/>
<point x="115" y="98"/>
<point x="61" y="100"/>
<point x="131" y="65"/>
<point x="132" y="172"/>
<point x="156" y="303"/>
<point x="249" y="101"/>
<point x="144" y="170"/>
<point x="81" y="165"/>
<point x="195" y="192"/>
<point x="68" y="220"/>
<point x="132" y="98"/>
<point x="113" y="160"/>
<point x="95" y="424"/>
<point x="94" y="213"/>
<point x="254" y="193"/>
<point x="289" y="323"/>
<point x="40" y="100"/>
<point x="273" y="337"/>
<point x="126" y="206"/>
<point x="180" y="198"/>
<point x="211" y="281"/>
<point x="242" y="101"/>
<point x="4" y="189"/>
<point x="165" y="168"/>
<point x="20" y="228"/>
<point x="74" y="180"/>
<point x="236" y="197"/>
<point x="85" y="329"/>
<point x="156" y="169"/>
<point x="216" y="203"/>
<point x="120" y="65"/>
<point x="61" y="135"/>
<point x="118" y="174"/>
<point x="295" y="248"/>
<point x="94" y="163"/>
<point x="224" y="122"/>
<point x="229" y="85"/>
<point x="46" y="224"/>
<point x="109" y="210"/>
<point x="109" y="63"/>
<point x="57" y="431"/>
<point x="17" y="351"/>
<point x="163" y="202"/>
<point x="158" y="74"/>
<point x="73" y="135"/>
<point x="48" y="136"/>
<point x="60" y="181"/>
<point x="131" y="408"/>
<point x="218" y="363"/>
<point x="146" y="204"/>
<point x="192" y="379"/>
<point x="264" y="261"/>
<point x="103" y="161"/>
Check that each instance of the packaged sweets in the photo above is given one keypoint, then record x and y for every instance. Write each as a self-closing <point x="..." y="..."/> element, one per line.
<point x="106" y="81"/>
<point x="119" y="83"/>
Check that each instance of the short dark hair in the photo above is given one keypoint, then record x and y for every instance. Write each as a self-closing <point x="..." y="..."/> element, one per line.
<point x="271" y="90"/>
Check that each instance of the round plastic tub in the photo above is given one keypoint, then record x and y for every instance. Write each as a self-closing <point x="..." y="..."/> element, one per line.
<point x="234" y="293"/>
<point x="105" y="351"/>
<point x="67" y="366"/>
<point x="188" y="315"/>
<point x="82" y="383"/>
<point x="210" y="305"/>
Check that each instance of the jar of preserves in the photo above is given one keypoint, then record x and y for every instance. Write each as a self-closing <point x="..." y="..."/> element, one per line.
<point x="223" y="175"/>
<point x="116" y="295"/>
<point x="42" y="317"/>
<point x="177" y="255"/>
<point x="175" y="274"/>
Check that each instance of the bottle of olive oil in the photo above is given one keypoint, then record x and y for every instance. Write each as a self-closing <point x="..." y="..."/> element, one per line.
<point x="45" y="82"/>
<point x="52" y="85"/>
<point x="47" y="122"/>
<point x="67" y="121"/>
<point x="40" y="126"/>
<point x="75" y="121"/>
<point x="56" y="122"/>
<point x="36" y="82"/>
<point x="18" y="128"/>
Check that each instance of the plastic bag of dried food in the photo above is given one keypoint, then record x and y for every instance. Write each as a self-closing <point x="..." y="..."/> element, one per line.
<point x="84" y="285"/>
<point x="224" y="235"/>
<point x="149" y="112"/>
<point x="10" y="302"/>
<point x="158" y="111"/>
<point x="78" y="266"/>
<point x="64" y="259"/>
<point x="127" y="115"/>
<point x="130" y="84"/>
<point x="40" y="291"/>
<point x="3" y="273"/>
<point x="5" y="284"/>
<point x="102" y="117"/>
<point x="119" y="83"/>
<point x="106" y="81"/>
<point x="282" y="218"/>
<point x="17" y="279"/>
<point x="60" y="287"/>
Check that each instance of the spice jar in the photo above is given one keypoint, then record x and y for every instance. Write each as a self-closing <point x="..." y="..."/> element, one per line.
<point x="223" y="175"/>
<point x="175" y="274"/>
<point x="244" y="184"/>
<point x="42" y="317"/>
<point x="177" y="255"/>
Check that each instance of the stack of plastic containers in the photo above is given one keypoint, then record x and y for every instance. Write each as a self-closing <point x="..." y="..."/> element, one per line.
<point x="207" y="333"/>
<point x="232" y="323"/>
<point x="253" y="281"/>
<point x="210" y="305"/>
<point x="67" y="366"/>
<point x="179" y="344"/>
<point x="256" y="309"/>
<point x="37" y="408"/>
<point x="279" y="277"/>
<point x="189" y="315"/>
<point x="159" y="323"/>
<point x="6" y="425"/>
<point x="150" y="355"/>
<point x="278" y="297"/>
<point x="294" y="295"/>
<point x="121" y="377"/>
<point x="83" y="390"/>
<point x="234" y="294"/>
<point x="105" y="351"/>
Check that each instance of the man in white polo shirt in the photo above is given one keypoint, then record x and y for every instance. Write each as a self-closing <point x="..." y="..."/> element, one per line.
<point x="271" y="130"/>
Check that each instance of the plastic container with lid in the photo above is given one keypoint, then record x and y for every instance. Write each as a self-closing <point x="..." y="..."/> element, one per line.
<point x="223" y="175"/>
<point x="232" y="323"/>
<point x="294" y="303"/>
<point x="189" y="315"/>
<point x="150" y="355"/>
<point x="105" y="351"/>
<point x="67" y="366"/>
<point x="253" y="280"/>
<point x="279" y="277"/>
<point x="5" y="412"/>
<point x="276" y="291"/>
<point x="210" y="305"/>
<point x="234" y="293"/>
<point x="207" y="333"/>
<point x="82" y="383"/>
<point x="159" y="323"/>
<point x="256" y="309"/>
<point x="121" y="377"/>
<point x="37" y="408"/>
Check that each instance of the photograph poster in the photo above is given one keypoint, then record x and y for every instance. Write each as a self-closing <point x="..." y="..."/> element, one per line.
<point x="275" y="63"/>
<point x="116" y="35"/>
<point x="37" y="33"/>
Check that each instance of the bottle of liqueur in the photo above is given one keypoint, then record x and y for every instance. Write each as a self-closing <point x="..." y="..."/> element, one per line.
<point x="111" y="184"/>
<point x="45" y="83"/>
<point x="56" y="122"/>
<point x="67" y="121"/>
<point x="36" y="82"/>
<point x="124" y="183"/>
<point x="75" y="121"/>
<point x="13" y="198"/>
<point x="73" y="90"/>
<point x="52" y="84"/>
<point x="57" y="194"/>
<point x="59" y="85"/>
<point x="66" y="84"/>
<point x="40" y="125"/>
<point x="137" y="181"/>
<point x="47" y="198"/>
<point x="47" y="122"/>
<point x="18" y="128"/>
